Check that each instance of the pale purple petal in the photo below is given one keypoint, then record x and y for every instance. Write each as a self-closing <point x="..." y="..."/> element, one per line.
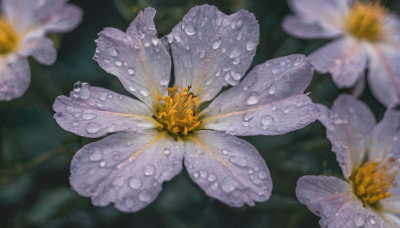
<point x="303" y="28"/>
<point x="344" y="58"/>
<point x="333" y="200"/>
<point x="227" y="168"/>
<point x="35" y="18"/>
<point x="211" y="49"/>
<point x="329" y="14"/>
<point x="15" y="76"/>
<point x="94" y="112"/>
<point x="137" y="57"/>
<point x="41" y="49"/>
<point x="126" y="168"/>
<point x="268" y="101"/>
<point x="384" y="74"/>
<point x="348" y="127"/>
<point x="385" y="137"/>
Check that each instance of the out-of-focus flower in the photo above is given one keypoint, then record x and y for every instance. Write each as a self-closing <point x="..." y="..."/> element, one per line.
<point x="368" y="154"/>
<point x="367" y="37"/>
<point x="165" y="125"/>
<point x="23" y="28"/>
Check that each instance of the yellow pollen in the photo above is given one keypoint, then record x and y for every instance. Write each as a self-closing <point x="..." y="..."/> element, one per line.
<point x="365" y="20"/>
<point x="8" y="37"/>
<point x="177" y="111"/>
<point x="372" y="181"/>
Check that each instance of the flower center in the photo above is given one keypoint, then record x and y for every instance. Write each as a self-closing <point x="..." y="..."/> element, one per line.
<point x="372" y="181"/>
<point x="177" y="111"/>
<point x="8" y="37"/>
<point x="366" y="20"/>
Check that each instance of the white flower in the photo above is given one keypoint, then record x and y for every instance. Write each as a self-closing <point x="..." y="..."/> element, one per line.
<point x="24" y="25"/>
<point x="366" y="36"/>
<point x="166" y="125"/>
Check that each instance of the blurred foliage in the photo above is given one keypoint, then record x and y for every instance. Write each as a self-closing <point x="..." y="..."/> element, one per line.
<point x="36" y="152"/>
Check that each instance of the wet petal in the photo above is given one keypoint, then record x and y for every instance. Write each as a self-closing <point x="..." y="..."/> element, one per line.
<point x="348" y="127"/>
<point x="136" y="57"/>
<point x="268" y="101"/>
<point x="35" y="18"/>
<point x="94" y="112"/>
<point x="345" y="59"/>
<point x="41" y="49"/>
<point x="385" y="137"/>
<point x="329" y="14"/>
<point x="331" y="199"/>
<point x="211" y="49"/>
<point x="384" y="74"/>
<point x="126" y="168"/>
<point x="227" y="168"/>
<point x="304" y="28"/>
<point x="15" y="77"/>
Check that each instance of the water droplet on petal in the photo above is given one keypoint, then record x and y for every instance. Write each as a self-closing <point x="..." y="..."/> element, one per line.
<point x="212" y="177"/>
<point x="190" y="30"/>
<point x="372" y="219"/>
<point x="359" y="220"/>
<point x="239" y="161"/>
<point x="97" y="155"/>
<point x="144" y="92"/>
<point x="131" y="88"/>
<point x="239" y="23"/>
<point x="164" y="81"/>
<point x="247" y="117"/>
<point x="253" y="99"/>
<point x="88" y="114"/>
<point x="229" y="185"/>
<point x="154" y="40"/>
<point x="144" y="196"/>
<point x="217" y="43"/>
<point x="235" y="76"/>
<point x="203" y="174"/>
<point x="135" y="182"/>
<point x="102" y="164"/>
<point x="131" y="71"/>
<point x="113" y="52"/>
<point x="225" y="152"/>
<point x="92" y="127"/>
<point x="149" y="170"/>
<point x="167" y="151"/>
<point x="272" y="90"/>
<point x="118" y="63"/>
<point x="75" y="123"/>
<point x="262" y="174"/>
<point x="250" y="46"/>
<point x="234" y="53"/>
<point x="266" y="121"/>
<point x="118" y="181"/>
<point x="202" y="53"/>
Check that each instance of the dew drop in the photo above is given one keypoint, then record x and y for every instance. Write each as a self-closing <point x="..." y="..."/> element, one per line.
<point x="267" y="121"/>
<point x="118" y="181"/>
<point x="146" y="43"/>
<point x="75" y="123"/>
<point x="234" y="53"/>
<point x="131" y="71"/>
<point x="135" y="182"/>
<point x="214" y="186"/>
<point x="102" y="164"/>
<point x="217" y="43"/>
<point x="96" y="156"/>
<point x="154" y="40"/>
<point x="88" y="114"/>
<point x="225" y="152"/>
<point x="92" y="127"/>
<point x="118" y="63"/>
<point x="239" y="161"/>
<point x="236" y="61"/>
<point x="359" y="220"/>
<point x="202" y="53"/>
<point x="235" y="76"/>
<point x="149" y="170"/>
<point x="167" y="151"/>
<point x="144" y="196"/>
<point x="247" y="117"/>
<point x="144" y="92"/>
<point x="113" y="52"/>
<point x="203" y="174"/>
<point x="272" y="90"/>
<point x="239" y="23"/>
<point x="262" y="174"/>
<point x="190" y="30"/>
<point x="229" y="185"/>
<point x="212" y="177"/>
<point x="253" y="99"/>
<point x="250" y="46"/>
<point x="131" y="88"/>
<point x="164" y="81"/>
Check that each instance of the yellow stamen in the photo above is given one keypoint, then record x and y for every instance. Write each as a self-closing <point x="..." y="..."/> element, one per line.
<point x="365" y="20"/>
<point x="8" y="37"/>
<point x="177" y="111"/>
<point x="372" y="181"/>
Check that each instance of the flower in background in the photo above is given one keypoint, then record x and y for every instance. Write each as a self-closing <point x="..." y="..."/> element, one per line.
<point x="164" y="126"/>
<point x="24" y="25"/>
<point x="367" y="37"/>
<point x="368" y="154"/>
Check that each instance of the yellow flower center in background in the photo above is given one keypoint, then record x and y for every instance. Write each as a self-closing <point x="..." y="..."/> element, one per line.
<point x="177" y="111"/>
<point x="8" y="37"/>
<point x="372" y="181"/>
<point x="365" y="20"/>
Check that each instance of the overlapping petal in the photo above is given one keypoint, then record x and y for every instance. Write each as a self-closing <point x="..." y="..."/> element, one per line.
<point x="136" y="57"/>
<point x="126" y="168"/>
<point x="348" y="127"/>
<point x="94" y="112"/>
<point x="305" y="28"/>
<point x="344" y="58"/>
<point x="42" y="50"/>
<point x="15" y="77"/>
<point x="332" y="199"/>
<point x="211" y="49"/>
<point x="269" y="101"/>
<point x="384" y="74"/>
<point x="227" y="168"/>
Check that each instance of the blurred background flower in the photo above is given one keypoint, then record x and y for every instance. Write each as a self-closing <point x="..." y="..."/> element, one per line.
<point x="36" y="153"/>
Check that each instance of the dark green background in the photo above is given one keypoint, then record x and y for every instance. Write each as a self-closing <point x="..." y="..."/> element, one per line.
<point x="36" y="153"/>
